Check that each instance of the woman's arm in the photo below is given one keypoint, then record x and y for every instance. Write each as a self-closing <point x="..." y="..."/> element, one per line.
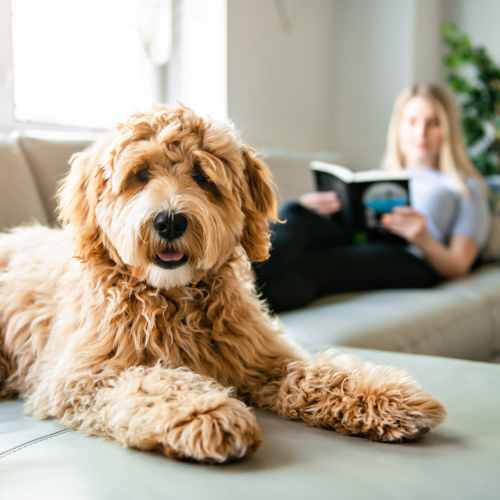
<point x="452" y="261"/>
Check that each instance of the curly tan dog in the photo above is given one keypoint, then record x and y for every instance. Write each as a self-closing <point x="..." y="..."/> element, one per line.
<point x="139" y="321"/>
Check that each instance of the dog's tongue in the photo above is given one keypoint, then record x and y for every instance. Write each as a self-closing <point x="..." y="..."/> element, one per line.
<point x="170" y="256"/>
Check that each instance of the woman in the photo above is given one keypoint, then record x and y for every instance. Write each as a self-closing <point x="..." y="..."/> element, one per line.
<point x="445" y="228"/>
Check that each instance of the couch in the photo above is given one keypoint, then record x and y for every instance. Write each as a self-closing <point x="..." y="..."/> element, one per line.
<point x="425" y="328"/>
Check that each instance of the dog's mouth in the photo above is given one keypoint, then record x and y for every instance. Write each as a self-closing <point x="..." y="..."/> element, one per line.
<point x="170" y="258"/>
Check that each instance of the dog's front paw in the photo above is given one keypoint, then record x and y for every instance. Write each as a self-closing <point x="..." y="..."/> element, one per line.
<point x="214" y="429"/>
<point x="360" y="398"/>
<point x="386" y="404"/>
<point x="392" y="417"/>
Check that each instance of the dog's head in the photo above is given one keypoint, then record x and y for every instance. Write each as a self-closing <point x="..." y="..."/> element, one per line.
<point x="171" y="196"/>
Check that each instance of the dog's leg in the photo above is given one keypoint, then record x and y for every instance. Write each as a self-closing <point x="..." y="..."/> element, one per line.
<point x="175" y="411"/>
<point x="334" y="392"/>
<point x="354" y="397"/>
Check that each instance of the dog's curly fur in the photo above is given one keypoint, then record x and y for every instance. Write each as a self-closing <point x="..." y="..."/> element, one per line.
<point x="95" y="333"/>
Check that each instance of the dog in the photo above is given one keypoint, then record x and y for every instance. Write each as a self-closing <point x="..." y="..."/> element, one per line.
<point x="138" y="320"/>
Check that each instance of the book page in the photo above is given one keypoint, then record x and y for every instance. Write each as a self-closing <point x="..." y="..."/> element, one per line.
<point x="347" y="175"/>
<point x="338" y="171"/>
<point x="379" y="175"/>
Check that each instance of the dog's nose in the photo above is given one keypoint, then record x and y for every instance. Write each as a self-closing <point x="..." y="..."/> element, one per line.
<point x="170" y="225"/>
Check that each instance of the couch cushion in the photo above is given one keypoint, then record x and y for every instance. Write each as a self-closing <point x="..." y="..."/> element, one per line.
<point x="48" y="156"/>
<point x="20" y="201"/>
<point x="458" y="461"/>
<point x="458" y="319"/>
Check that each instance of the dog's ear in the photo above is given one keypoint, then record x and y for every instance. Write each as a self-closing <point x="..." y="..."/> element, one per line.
<point x="259" y="207"/>
<point x="78" y="196"/>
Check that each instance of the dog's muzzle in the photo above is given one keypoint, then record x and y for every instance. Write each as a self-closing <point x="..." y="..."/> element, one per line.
<point x="170" y="226"/>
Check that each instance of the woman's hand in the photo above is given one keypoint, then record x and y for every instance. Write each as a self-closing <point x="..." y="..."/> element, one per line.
<point x="409" y="224"/>
<point x="321" y="202"/>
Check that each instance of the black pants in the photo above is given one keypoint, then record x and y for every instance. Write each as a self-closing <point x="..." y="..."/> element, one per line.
<point x="313" y="256"/>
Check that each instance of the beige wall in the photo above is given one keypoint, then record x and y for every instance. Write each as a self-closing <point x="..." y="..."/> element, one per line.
<point x="280" y="72"/>
<point x="373" y="61"/>
<point x="329" y="82"/>
<point x="480" y="19"/>
<point x="324" y="75"/>
<point x="380" y="47"/>
<point x="427" y="46"/>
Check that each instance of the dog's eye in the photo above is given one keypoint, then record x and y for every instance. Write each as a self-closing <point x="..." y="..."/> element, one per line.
<point x="203" y="181"/>
<point x="143" y="175"/>
<point x="199" y="177"/>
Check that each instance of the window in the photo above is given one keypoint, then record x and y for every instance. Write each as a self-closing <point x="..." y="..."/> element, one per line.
<point x="91" y="63"/>
<point x="87" y="63"/>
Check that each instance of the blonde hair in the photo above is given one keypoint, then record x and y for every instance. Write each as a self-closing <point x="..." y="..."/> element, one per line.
<point x="453" y="159"/>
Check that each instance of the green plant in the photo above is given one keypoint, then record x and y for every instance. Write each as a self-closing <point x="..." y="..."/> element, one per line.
<point x="475" y="78"/>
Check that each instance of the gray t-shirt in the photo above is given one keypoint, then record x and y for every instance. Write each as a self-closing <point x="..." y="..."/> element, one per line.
<point x="448" y="210"/>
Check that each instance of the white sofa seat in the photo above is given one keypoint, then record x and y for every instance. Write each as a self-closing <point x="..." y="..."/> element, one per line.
<point x="457" y="461"/>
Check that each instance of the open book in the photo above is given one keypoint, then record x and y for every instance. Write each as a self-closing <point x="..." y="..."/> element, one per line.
<point x="365" y="197"/>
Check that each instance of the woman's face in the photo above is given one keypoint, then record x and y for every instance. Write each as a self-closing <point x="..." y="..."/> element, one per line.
<point x="420" y="133"/>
